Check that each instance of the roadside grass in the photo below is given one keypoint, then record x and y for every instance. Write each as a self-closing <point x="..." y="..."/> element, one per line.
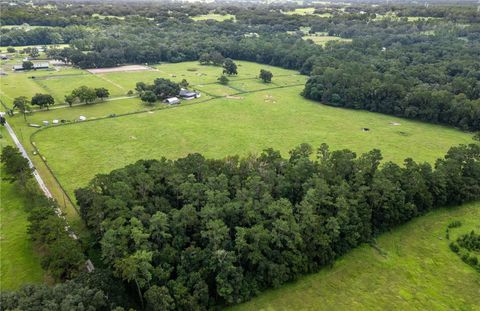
<point x="278" y="118"/>
<point x="213" y="16"/>
<point x="19" y="264"/>
<point x="419" y="272"/>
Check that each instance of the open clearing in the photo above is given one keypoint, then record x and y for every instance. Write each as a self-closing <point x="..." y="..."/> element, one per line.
<point x="18" y="262"/>
<point x="213" y="16"/>
<point x="419" y="272"/>
<point x="306" y="11"/>
<point x="322" y="40"/>
<point x="278" y="118"/>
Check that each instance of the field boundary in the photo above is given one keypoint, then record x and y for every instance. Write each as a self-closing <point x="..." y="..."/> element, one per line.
<point x="57" y="181"/>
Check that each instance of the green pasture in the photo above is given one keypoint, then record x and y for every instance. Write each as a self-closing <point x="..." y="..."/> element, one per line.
<point x="200" y="76"/>
<point x="215" y="89"/>
<point x="19" y="264"/>
<point x="28" y="83"/>
<point x="278" y="118"/>
<point x="61" y="85"/>
<point x="213" y="16"/>
<point x="417" y="271"/>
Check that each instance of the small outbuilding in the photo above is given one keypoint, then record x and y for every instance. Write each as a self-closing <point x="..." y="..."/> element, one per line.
<point x="36" y="66"/>
<point x="186" y="94"/>
<point x="41" y="66"/>
<point x="172" y="100"/>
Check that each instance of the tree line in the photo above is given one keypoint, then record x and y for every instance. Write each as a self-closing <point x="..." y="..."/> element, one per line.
<point x="194" y="233"/>
<point x="390" y="67"/>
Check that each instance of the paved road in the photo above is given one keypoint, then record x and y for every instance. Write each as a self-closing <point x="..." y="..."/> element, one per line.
<point x="38" y="178"/>
<point x="88" y="263"/>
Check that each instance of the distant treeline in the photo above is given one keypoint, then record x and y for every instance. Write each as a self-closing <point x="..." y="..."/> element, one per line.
<point x="195" y="233"/>
<point x="427" y="70"/>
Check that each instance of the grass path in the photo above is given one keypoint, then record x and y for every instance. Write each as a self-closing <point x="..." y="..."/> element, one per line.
<point x="110" y="81"/>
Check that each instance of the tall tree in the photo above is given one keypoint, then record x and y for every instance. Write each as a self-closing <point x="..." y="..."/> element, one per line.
<point x="85" y="94"/>
<point x="43" y="100"/>
<point x="102" y="93"/>
<point x="229" y="67"/>
<point x="266" y="75"/>
<point x="22" y="105"/>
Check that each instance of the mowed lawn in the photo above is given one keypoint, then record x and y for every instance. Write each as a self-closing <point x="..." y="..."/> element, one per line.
<point x="418" y="272"/>
<point x="278" y="118"/>
<point x="19" y="264"/>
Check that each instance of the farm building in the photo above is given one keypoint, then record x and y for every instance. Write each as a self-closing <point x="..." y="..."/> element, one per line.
<point x="186" y="94"/>
<point x="172" y="100"/>
<point x="35" y="66"/>
<point x="3" y="57"/>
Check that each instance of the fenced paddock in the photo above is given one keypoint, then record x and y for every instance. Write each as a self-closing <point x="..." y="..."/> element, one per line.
<point x="119" y="69"/>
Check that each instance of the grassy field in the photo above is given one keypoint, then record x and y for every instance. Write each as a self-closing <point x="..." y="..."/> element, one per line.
<point x="256" y="116"/>
<point x="60" y="81"/>
<point x="322" y="40"/>
<point x="19" y="264"/>
<point x="215" y="17"/>
<point x="17" y="84"/>
<point x="248" y="123"/>
<point x="60" y="85"/>
<point x="419" y="272"/>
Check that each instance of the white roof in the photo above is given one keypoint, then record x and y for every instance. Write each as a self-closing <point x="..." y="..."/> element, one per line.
<point x="172" y="99"/>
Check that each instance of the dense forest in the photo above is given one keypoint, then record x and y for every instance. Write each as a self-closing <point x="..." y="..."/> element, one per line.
<point x="196" y="233"/>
